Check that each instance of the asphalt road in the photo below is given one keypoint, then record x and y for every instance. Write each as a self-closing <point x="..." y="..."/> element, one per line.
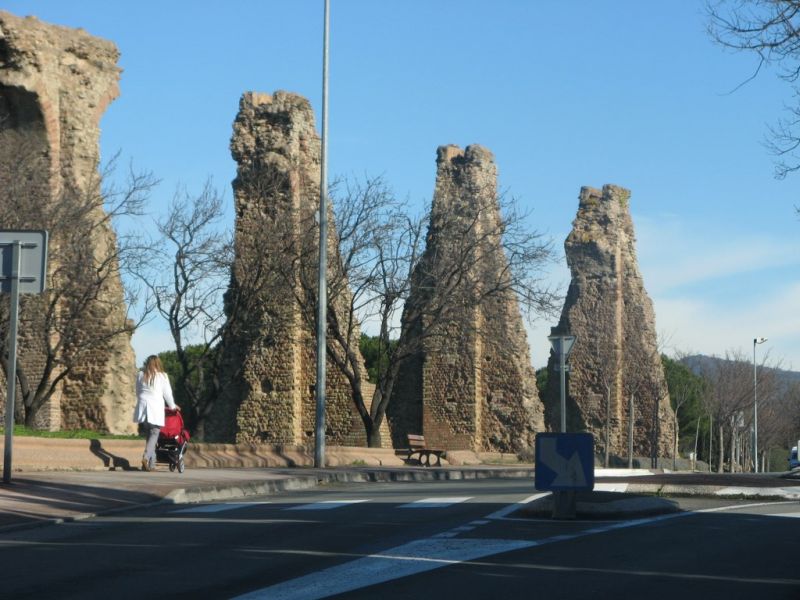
<point x="405" y="540"/>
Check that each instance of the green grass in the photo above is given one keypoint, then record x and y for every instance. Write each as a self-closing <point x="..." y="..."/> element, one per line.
<point x="74" y="434"/>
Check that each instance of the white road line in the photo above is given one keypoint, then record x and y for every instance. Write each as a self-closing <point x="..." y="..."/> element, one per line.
<point x="412" y="558"/>
<point x="212" y="508"/>
<point x="409" y="559"/>
<point x="516" y="506"/>
<point x="326" y="504"/>
<point x="739" y="506"/>
<point x="610" y="487"/>
<point x="463" y="528"/>
<point x="435" y="502"/>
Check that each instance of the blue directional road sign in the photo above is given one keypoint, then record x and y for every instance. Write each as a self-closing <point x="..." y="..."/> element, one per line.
<point x="564" y="462"/>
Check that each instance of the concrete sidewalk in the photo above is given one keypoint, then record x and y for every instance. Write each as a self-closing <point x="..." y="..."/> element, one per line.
<point x="56" y="496"/>
<point x="34" y="498"/>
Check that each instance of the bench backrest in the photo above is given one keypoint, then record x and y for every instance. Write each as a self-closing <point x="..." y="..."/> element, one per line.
<point x="416" y="441"/>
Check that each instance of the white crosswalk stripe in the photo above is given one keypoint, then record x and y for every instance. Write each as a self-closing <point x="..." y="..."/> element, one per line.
<point x="436" y="502"/>
<point x="212" y="508"/>
<point x="326" y="505"/>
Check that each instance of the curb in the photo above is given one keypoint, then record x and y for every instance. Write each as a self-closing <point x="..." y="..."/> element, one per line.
<point x="313" y="478"/>
<point x="201" y="493"/>
<point x="227" y="492"/>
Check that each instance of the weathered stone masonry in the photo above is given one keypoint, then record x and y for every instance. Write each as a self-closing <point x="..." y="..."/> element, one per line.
<point x="55" y="84"/>
<point x="609" y="311"/>
<point x="270" y="358"/>
<point x="470" y="385"/>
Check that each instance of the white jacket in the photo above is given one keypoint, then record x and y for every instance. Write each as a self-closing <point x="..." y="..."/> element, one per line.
<point x="150" y="399"/>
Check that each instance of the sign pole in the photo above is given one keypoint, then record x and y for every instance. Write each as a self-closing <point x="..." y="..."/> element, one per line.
<point x="563" y="359"/>
<point x="12" y="360"/>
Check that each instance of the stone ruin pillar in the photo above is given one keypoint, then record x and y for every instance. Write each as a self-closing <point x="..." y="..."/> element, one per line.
<point x="616" y="352"/>
<point x="470" y="384"/>
<point x="55" y="84"/>
<point x="269" y="360"/>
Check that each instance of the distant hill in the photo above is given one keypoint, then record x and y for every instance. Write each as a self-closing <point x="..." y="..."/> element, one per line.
<point x="700" y="363"/>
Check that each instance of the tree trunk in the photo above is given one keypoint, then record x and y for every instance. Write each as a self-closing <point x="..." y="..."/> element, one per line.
<point x="721" y="461"/>
<point x="710" y="441"/>
<point x="30" y="417"/>
<point x="675" y="446"/>
<point x="374" y="438"/>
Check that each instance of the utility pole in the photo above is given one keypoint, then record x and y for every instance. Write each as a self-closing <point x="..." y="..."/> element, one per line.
<point x="322" y="287"/>
<point x="755" y="404"/>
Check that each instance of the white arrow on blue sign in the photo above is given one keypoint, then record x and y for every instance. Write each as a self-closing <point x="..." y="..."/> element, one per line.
<point x="564" y="462"/>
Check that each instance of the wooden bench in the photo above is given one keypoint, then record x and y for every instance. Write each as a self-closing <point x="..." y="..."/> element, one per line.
<point x="416" y="445"/>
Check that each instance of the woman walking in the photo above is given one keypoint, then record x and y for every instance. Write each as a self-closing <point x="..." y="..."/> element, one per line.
<point x="152" y="391"/>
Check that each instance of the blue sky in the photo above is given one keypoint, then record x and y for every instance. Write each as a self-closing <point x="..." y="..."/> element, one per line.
<point x="565" y="94"/>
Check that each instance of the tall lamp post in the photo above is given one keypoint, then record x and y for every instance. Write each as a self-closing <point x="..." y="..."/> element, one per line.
<point x="322" y="286"/>
<point x="756" y="341"/>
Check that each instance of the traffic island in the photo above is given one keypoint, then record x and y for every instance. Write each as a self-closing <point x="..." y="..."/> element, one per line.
<point x="594" y="505"/>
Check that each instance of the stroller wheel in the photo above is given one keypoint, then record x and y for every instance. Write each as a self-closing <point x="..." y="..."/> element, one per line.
<point x="171" y="466"/>
<point x="181" y="466"/>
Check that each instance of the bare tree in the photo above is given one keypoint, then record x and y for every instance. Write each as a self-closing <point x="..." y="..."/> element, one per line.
<point x="643" y="382"/>
<point x="607" y="369"/>
<point x="377" y="259"/>
<point x="778" y="409"/>
<point x="76" y="317"/>
<point x="186" y="271"/>
<point x="685" y="388"/>
<point x="770" y="29"/>
<point x="376" y="248"/>
<point x="730" y="392"/>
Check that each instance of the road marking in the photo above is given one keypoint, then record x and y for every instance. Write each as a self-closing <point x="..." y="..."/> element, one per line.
<point x="409" y="559"/>
<point x="435" y="502"/>
<point x="415" y="557"/>
<point x="326" y="505"/>
<point x="212" y="508"/>
<point x="503" y="512"/>
<point x="793" y="493"/>
<point x="610" y="487"/>
<point x="739" y="506"/>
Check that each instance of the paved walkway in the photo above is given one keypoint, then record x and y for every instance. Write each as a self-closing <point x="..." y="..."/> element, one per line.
<point x="34" y="498"/>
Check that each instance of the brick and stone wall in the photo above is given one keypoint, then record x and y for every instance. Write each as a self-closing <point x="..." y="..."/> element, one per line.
<point x="616" y="350"/>
<point x="470" y="384"/>
<point x="55" y="84"/>
<point x="269" y="358"/>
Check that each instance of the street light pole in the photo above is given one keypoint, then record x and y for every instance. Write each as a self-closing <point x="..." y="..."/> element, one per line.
<point x="755" y="404"/>
<point x="322" y="286"/>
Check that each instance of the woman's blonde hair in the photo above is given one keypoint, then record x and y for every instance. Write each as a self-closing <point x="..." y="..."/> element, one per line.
<point x="152" y="366"/>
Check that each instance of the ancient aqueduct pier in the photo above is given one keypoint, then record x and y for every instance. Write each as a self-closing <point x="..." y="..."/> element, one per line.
<point x="469" y="384"/>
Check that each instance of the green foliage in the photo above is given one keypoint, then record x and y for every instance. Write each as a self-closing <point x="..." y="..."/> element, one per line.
<point x="197" y="379"/>
<point x="686" y="391"/>
<point x="376" y="359"/>
<point x="541" y="380"/>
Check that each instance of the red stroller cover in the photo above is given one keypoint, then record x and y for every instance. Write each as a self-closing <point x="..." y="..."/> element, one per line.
<point x="173" y="427"/>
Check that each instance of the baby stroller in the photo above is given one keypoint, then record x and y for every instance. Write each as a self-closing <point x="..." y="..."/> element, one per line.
<point x="172" y="440"/>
